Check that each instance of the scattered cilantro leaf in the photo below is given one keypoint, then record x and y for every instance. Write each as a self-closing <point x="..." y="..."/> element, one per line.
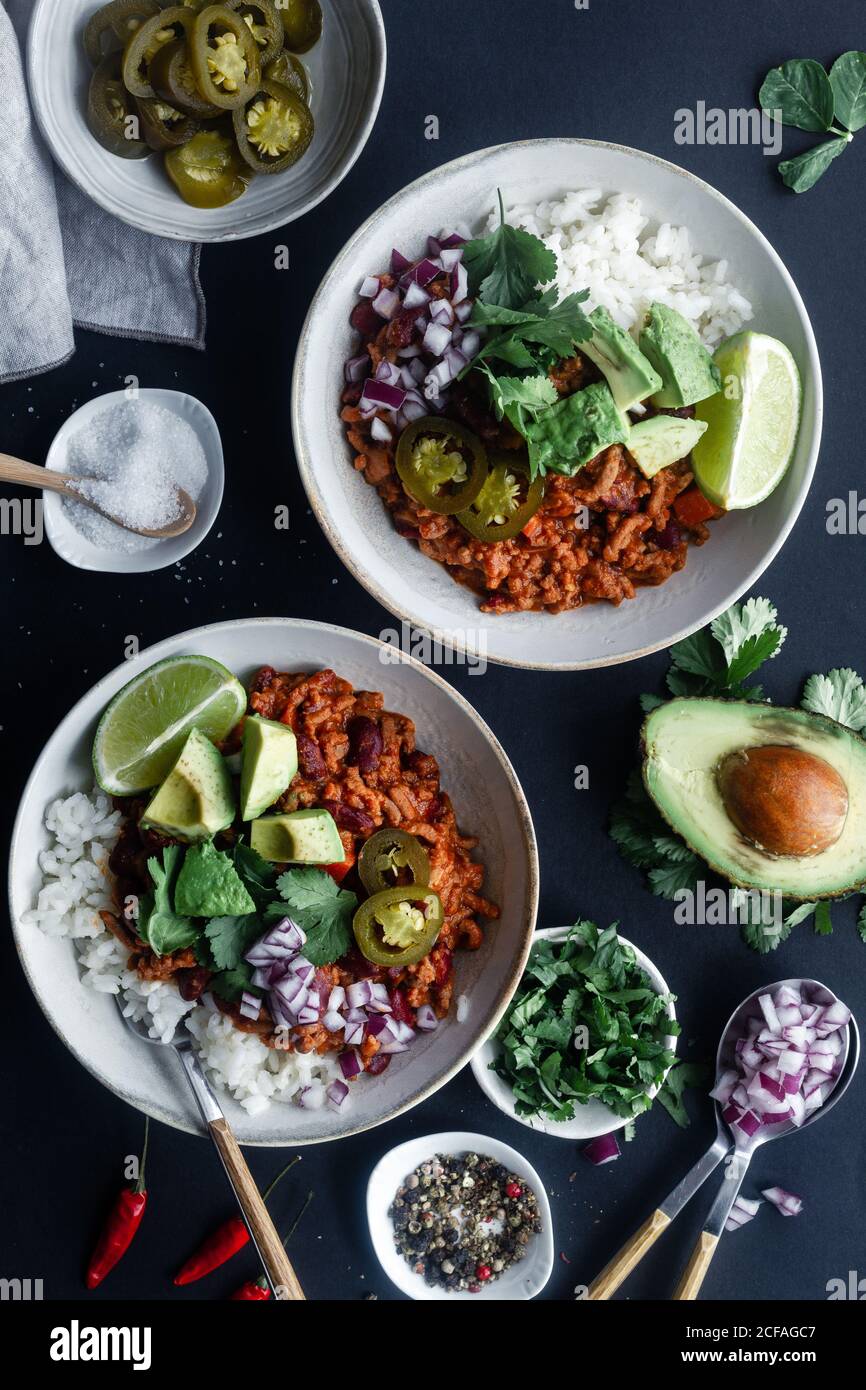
<point x="823" y="920"/>
<point x="163" y="929"/>
<point x="507" y="266"/>
<point x="322" y="909"/>
<point x="670" y="879"/>
<point x="861" y="924"/>
<point x="742" y="621"/>
<point x="231" y="984"/>
<point x="848" y="80"/>
<point x="803" y="171"/>
<point x="799" y="93"/>
<point x="230" y="938"/>
<point x="840" y="695"/>
<point x="681" y="1077"/>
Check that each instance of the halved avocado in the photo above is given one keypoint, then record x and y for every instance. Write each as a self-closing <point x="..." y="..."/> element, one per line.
<point x="770" y="798"/>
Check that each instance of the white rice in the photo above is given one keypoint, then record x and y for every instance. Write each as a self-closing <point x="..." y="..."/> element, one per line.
<point x="75" y="885"/>
<point x="607" y="246"/>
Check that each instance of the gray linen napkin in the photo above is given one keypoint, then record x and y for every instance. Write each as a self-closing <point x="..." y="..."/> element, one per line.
<point x="65" y="261"/>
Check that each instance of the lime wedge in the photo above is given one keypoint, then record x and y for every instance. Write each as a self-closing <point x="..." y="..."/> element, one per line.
<point x="753" y="422"/>
<point x="144" y="728"/>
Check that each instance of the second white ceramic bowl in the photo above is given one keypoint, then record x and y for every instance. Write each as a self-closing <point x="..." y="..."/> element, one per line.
<point x="352" y="514"/>
<point x="590" y="1120"/>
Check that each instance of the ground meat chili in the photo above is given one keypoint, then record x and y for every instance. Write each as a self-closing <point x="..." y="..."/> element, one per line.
<point x="462" y="1220"/>
<point x="634" y="538"/>
<point x="361" y="763"/>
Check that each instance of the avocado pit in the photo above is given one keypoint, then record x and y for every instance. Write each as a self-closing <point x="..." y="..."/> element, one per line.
<point x="786" y="802"/>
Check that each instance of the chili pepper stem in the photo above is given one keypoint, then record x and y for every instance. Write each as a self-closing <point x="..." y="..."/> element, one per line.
<point x="266" y="1194"/>
<point x="139" y="1184"/>
<point x="297" y="1221"/>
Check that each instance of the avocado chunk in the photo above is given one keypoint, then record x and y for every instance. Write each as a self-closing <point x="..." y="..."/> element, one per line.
<point x="661" y="440"/>
<point x="269" y="762"/>
<point x="687" y="370"/>
<point x="196" y="799"/>
<point x="209" y="885"/>
<point x="298" y="837"/>
<point x="772" y="799"/>
<point x="630" y="376"/>
<point x="577" y="429"/>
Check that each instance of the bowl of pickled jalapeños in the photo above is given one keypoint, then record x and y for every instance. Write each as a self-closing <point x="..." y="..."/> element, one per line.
<point x="118" y="87"/>
<point x="218" y="89"/>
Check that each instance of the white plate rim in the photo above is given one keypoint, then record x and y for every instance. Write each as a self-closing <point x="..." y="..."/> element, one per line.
<point x="243" y="230"/>
<point x="306" y="466"/>
<point x="422" y="1092"/>
<point x="495" y="1090"/>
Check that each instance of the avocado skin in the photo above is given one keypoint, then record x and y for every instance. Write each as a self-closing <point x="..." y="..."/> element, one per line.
<point x="731" y="871"/>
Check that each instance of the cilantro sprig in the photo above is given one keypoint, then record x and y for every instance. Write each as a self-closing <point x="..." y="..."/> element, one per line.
<point x="802" y="93"/>
<point x="321" y="908"/>
<point x="718" y="661"/>
<point x="585" y="1024"/>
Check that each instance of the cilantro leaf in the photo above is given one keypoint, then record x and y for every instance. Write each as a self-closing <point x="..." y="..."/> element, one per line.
<point x="671" y="879"/>
<point x="322" y="909"/>
<point x="256" y="874"/>
<point x="840" y="695"/>
<point x="231" y="937"/>
<point x="861" y="924"/>
<point x="742" y="621"/>
<point x="231" y="984"/>
<point x="507" y="266"/>
<point x="823" y="919"/>
<point x="163" y="929"/>
<point x="681" y="1076"/>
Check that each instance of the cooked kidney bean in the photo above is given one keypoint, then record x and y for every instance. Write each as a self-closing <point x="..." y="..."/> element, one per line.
<point x="192" y="984"/>
<point x="310" y="758"/>
<point x="409" y="533"/>
<point x="377" y="1063"/>
<point x="669" y="537"/>
<point x="262" y="679"/>
<point x="365" y="743"/>
<point x="348" y="818"/>
<point x="365" y="320"/>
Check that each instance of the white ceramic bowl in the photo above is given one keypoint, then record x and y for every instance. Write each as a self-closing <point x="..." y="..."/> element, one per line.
<point x="347" y="69"/>
<point x="350" y="511"/>
<point x="522" y="1281"/>
<point x="590" y="1120"/>
<point x="489" y="801"/>
<point x="76" y="549"/>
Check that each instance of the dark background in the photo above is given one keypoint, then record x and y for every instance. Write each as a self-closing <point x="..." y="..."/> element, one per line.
<point x="493" y="70"/>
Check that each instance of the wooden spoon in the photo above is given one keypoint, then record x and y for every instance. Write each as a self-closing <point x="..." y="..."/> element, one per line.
<point x="23" y="474"/>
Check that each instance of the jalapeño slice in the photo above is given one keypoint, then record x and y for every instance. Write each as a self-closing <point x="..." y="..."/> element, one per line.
<point x="274" y="130"/>
<point x="504" y="504"/>
<point x="224" y="57"/>
<point x="399" y="926"/>
<point x="387" y="855"/>
<point x="442" y="464"/>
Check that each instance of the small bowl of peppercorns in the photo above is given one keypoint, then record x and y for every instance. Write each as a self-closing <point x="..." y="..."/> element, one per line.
<point x="460" y="1216"/>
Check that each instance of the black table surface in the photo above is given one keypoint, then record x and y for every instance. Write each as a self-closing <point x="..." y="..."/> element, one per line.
<point x="493" y="71"/>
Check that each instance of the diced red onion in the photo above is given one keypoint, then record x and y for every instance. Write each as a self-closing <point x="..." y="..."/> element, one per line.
<point x="357" y="368"/>
<point x="450" y="258"/>
<point x="380" y="431"/>
<point x="250" y="1006"/>
<point x="370" y="288"/>
<point x="742" y="1212"/>
<point x="416" y="297"/>
<point x="312" y="1097"/>
<point x="436" y="381"/>
<point x="338" y="1094"/>
<point x="459" y="284"/>
<point x="724" y="1087"/>
<point x="604" y="1149"/>
<point x="350" y="1064"/>
<point x="379" y="1000"/>
<point x="456" y="361"/>
<point x="463" y="312"/>
<point x="333" y="1021"/>
<point x="399" y="263"/>
<point x="388" y="372"/>
<point x="426" y="1019"/>
<point x="359" y="994"/>
<point x="441" y="311"/>
<point x="413" y="410"/>
<point x="421" y="274"/>
<point x="470" y="343"/>
<point x="390" y="1048"/>
<point x="354" y="1034"/>
<point x="379" y="1026"/>
<point x="380" y="393"/>
<point x="449" y="241"/>
<point x="437" y="339"/>
<point x="785" y="1202"/>
<point x="407" y="353"/>
<point x="387" y="303"/>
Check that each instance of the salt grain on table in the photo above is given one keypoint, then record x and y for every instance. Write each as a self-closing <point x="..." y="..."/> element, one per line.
<point x="132" y="458"/>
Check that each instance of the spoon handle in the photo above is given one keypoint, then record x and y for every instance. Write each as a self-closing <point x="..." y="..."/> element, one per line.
<point x="696" y="1270"/>
<point x="14" y="470"/>
<point x="281" y="1276"/>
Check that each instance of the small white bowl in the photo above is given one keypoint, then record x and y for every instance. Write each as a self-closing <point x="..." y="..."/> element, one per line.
<point x="522" y="1281"/>
<point x="347" y="72"/>
<point x="75" y="548"/>
<point x="590" y="1120"/>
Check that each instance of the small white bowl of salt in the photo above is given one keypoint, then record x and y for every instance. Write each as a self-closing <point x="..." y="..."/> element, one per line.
<point x="137" y="448"/>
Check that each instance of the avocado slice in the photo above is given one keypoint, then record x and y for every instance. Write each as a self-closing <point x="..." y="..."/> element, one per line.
<point x="661" y="440"/>
<point x="298" y="837"/>
<point x="630" y="376"/>
<point x="269" y="762"/>
<point x="791" y="764"/>
<point x="196" y="799"/>
<point x="687" y="370"/>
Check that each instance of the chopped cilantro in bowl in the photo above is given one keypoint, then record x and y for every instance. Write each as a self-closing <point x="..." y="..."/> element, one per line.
<point x="588" y="1039"/>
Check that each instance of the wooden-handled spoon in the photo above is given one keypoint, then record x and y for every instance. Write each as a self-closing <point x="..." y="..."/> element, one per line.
<point x="23" y="474"/>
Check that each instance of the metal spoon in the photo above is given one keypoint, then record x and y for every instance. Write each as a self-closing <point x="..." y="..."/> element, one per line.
<point x="739" y="1148"/>
<point x="23" y="474"/>
<point x="280" y="1275"/>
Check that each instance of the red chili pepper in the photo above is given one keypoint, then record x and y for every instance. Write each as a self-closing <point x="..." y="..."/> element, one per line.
<point x="223" y="1244"/>
<point x="692" y="508"/>
<point x="256" y="1291"/>
<point x="123" y="1221"/>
